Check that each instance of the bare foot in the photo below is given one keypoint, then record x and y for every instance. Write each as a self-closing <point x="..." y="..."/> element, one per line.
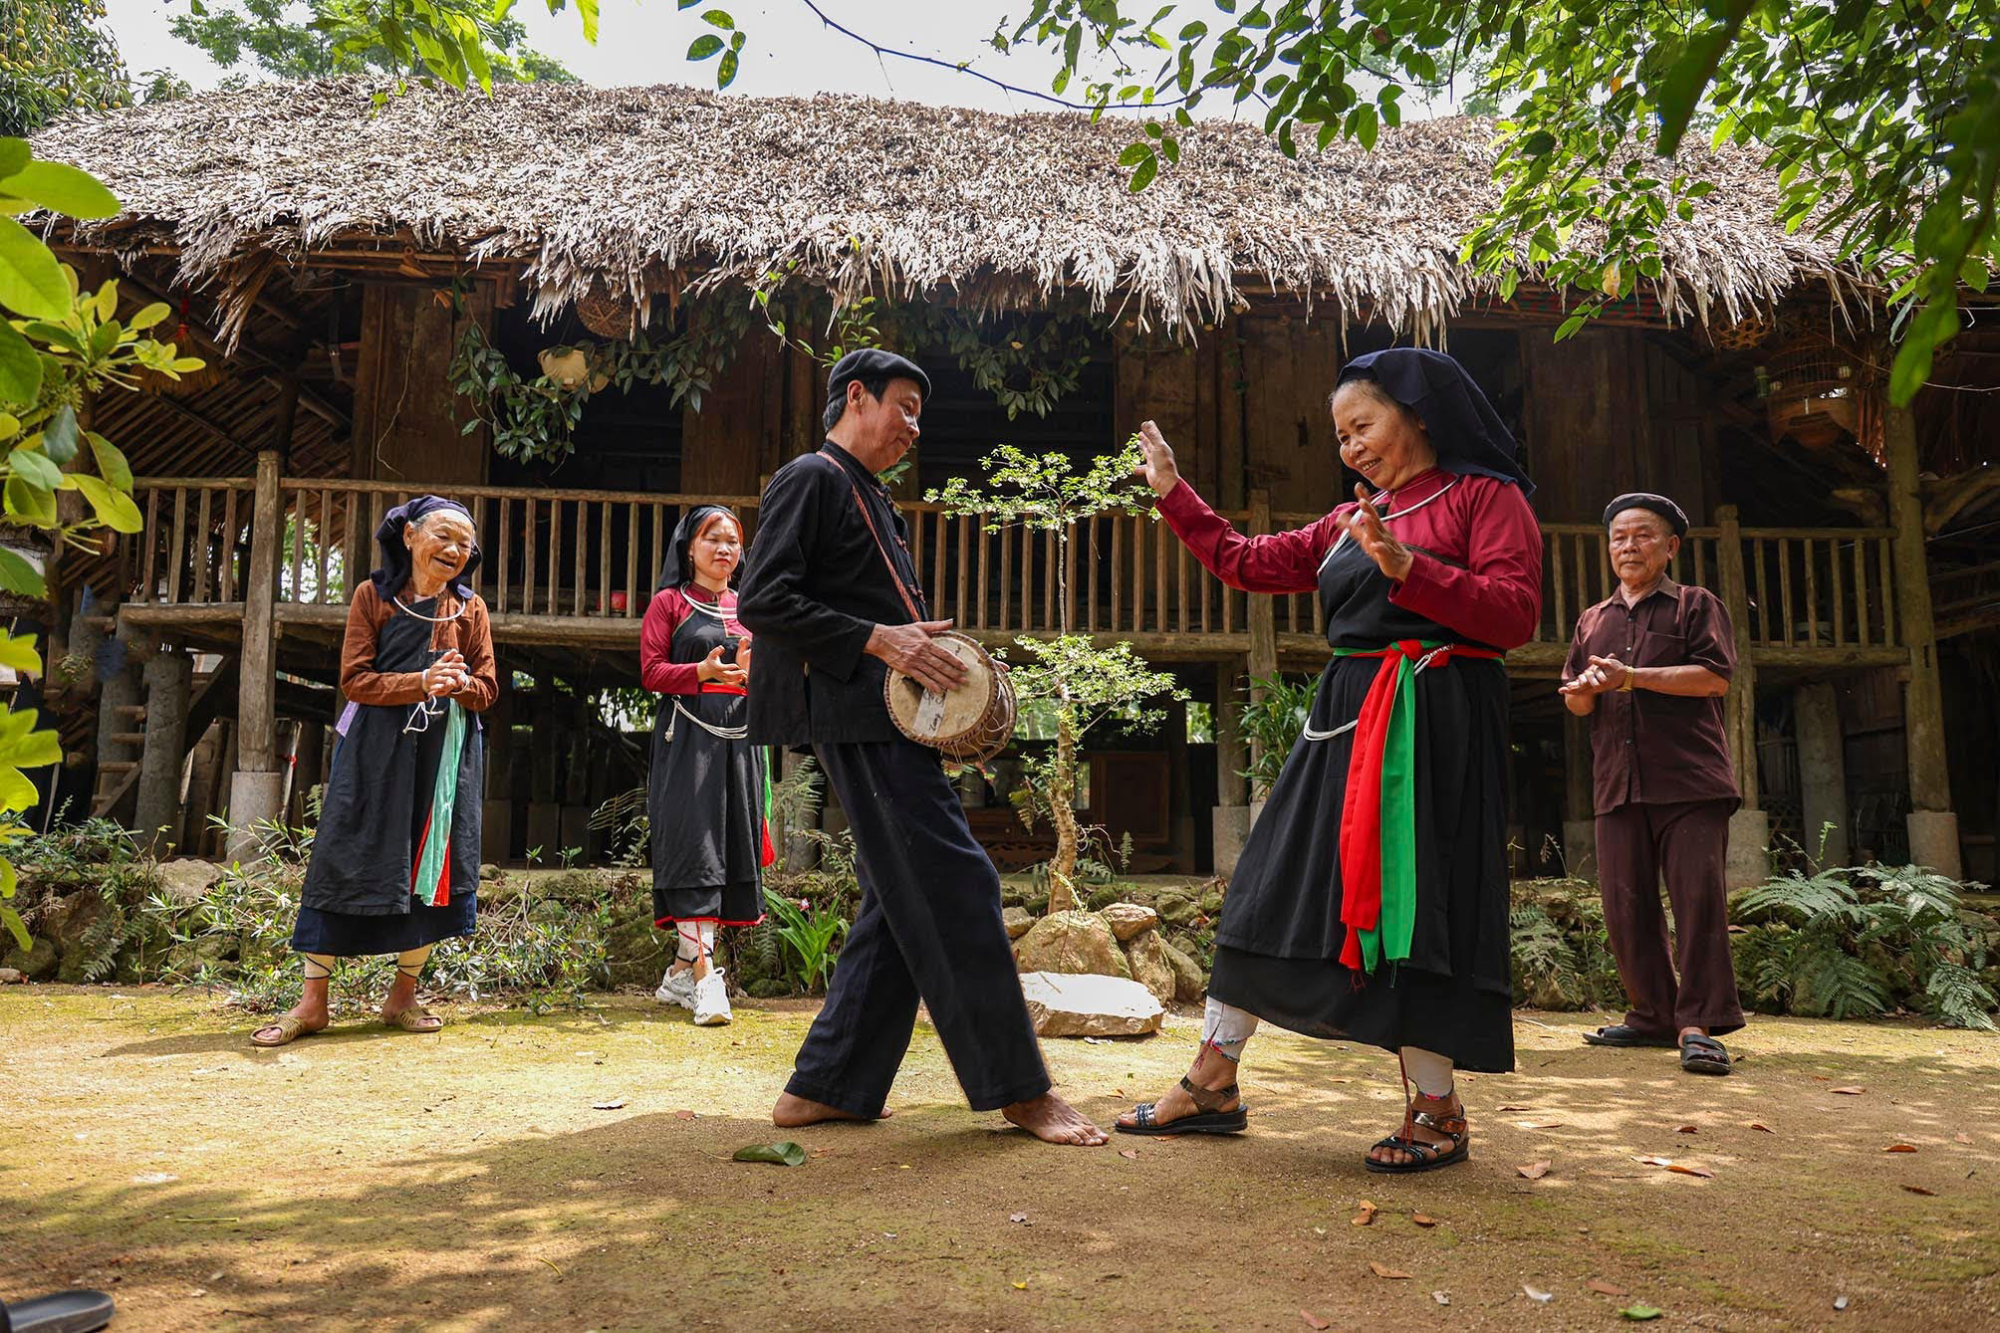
<point x="1053" y="1120"/>
<point x="793" y="1112"/>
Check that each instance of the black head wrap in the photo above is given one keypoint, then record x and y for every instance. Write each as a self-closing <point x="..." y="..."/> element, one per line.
<point x="1462" y="425"/>
<point x="395" y="569"/>
<point x="1658" y="504"/>
<point x="677" y="570"/>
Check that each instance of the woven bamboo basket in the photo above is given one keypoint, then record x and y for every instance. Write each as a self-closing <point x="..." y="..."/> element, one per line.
<point x="1753" y="330"/>
<point x="608" y="316"/>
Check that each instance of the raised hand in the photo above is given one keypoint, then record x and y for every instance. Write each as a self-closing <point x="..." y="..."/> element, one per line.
<point x="909" y="649"/>
<point x="1158" y="470"/>
<point x="1365" y="526"/>
<point x="715" y="671"/>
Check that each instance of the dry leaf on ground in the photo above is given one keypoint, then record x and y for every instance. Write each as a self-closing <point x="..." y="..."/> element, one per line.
<point x="1018" y="1217"/>
<point x="1687" y="1129"/>
<point x="1534" y="1170"/>
<point x="1383" y="1270"/>
<point x="1542" y="1124"/>
<point x="1128" y="1154"/>
<point x="1423" y="1219"/>
<point x="1366" y="1216"/>
<point x="684" y="1115"/>
<point x="1700" y="1171"/>
<point x="607" y="1106"/>
<point x="1762" y="1129"/>
<point x="1900" y="1147"/>
<point x="1536" y="1294"/>
<point x="1919" y="1189"/>
<point x="1850" y="1092"/>
<point x="1603" y="1288"/>
<point x="1441" y="1297"/>
<point x="1961" y="1138"/>
<point x="1313" y="1320"/>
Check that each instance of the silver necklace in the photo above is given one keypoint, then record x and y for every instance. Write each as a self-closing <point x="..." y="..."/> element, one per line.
<point x="1438" y="494"/>
<point x="435" y="620"/>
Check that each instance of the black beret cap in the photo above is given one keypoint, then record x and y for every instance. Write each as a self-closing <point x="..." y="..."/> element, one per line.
<point x="1659" y="504"/>
<point x="872" y="363"/>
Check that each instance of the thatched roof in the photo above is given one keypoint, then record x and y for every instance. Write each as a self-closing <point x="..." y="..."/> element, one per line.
<point x="638" y="190"/>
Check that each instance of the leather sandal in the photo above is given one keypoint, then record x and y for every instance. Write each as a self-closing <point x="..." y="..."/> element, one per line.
<point x="413" y="1019"/>
<point x="1429" y="1156"/>
<point x="1211" y="1118"/>
<point x="1703" y="1055"/>
<point x="290" y="1029"/>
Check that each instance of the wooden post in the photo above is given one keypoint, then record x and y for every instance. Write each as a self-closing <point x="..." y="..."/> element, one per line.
<point x="1748" y="858"/>
<point x="256" y="790"/>
<point x="169" y="678"/>
<point x="1579" y="804"/>
<point x="1933" y="826"/>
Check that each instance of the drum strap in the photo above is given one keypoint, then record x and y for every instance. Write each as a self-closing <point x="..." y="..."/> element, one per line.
<point x="909" y="602"/>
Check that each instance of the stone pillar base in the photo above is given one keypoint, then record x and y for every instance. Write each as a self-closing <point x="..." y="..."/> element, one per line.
<point x="1749" y="857"/>
<point x="1580" y="848"/>
<point x="1934" y="841"/>
<point x="1232" y="827"/>
<point x="254" y="799"/>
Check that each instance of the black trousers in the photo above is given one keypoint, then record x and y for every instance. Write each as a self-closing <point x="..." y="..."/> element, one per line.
<point x="1687" y="844"/>
<point x="928" y="928"/>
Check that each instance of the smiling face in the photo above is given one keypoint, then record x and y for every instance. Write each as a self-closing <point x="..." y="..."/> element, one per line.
<point x="1380" y="438"/>
<point x="1642" y="545"/>
<point x="440" y="544"/>
<point x="716" y="550"/>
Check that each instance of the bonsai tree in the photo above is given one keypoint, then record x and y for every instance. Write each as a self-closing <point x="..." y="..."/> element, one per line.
<point x="1075" y="679"/>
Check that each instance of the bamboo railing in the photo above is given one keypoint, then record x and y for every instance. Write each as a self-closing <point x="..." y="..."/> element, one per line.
<point x="592" y="555"/>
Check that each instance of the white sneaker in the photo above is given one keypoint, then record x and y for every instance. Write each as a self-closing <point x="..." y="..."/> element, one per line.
<point x="711" y="1000"/>
<point x="677" y="987"/>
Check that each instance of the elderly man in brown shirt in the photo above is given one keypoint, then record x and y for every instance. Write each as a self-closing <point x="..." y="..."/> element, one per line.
<point x="1649" y="666"/>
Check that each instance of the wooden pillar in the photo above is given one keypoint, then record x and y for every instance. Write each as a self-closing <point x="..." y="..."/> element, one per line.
<point x="1749" y="859"/>
<point x="256" y="789"/>
<point x="1822" y="770"/>
<point x="1579" y="803"/>
<point x="169" y="678"/>
<point x="1932" y="824"/>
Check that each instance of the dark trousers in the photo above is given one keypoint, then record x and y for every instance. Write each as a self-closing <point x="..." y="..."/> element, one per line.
<point x="1687" y="842"/>
<point x="928" y="927"/>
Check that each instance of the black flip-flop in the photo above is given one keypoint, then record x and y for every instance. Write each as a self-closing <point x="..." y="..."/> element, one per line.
<point x="1703" y="1055"/>
<point x="1210" y="1120"/>
<point x="65" y="1312"/>
<point x="1622" y="1034"/>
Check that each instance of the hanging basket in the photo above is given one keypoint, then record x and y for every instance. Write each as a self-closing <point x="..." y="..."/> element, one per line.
<point x="608" y="316"/>
<point x="1814" y="393"/>
<point x="1753" y="330"/>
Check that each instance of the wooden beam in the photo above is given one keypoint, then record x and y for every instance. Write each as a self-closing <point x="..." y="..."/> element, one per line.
<point x="1739" y="706"/>
<point x="1923" y="709"/>
<point x="256" y="713"/>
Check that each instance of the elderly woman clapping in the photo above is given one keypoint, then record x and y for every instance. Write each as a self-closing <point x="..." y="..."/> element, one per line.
<point x="395" y="860"/>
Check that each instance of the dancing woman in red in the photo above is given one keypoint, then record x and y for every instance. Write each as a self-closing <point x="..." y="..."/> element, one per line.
<point x="1370" y="903"/>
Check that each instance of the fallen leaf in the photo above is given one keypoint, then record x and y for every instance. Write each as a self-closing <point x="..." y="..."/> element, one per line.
<point x="1536" y="1295"/>
<point x="1701" y="1171"/>
<point x="1535" y="1170"/>
<point x="1687" y="1129"/>
<point x="684" y="1115"/>
<point x="1129" y="1154"/>
<point x="1020" y="1286"/>
<point x="1441" y="1297"/>
<point x="1899" y="1147"/>
<point x="1961" y="1138"/>
<point x="1762" y="1129"/>
<point x="1654" y="1161"/>
<point x="1919" y="1189"/>
<point x="1365" y="1216"/>
<point x="1517" y="1108"/>
<point x="1603" y="1288"/>
<point x="777" y="1154"/>
<point x="1546" y="1124"/>
<point x="1840" y="1302"/>
<point x="1641" y="1313"/>
<point x="607" y="1106"/>
<point x="1850" y="1092"/>
<point x="1423" y="1219"/>
<point x="1313" y="1320"/>
<point x="1019" y="1217"/>
<point x="1383" y="1270"/>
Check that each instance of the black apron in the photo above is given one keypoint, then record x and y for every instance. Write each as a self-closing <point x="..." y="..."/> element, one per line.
<point x="1280" y="936"/>
<point x="358" y="898"/>
<point x="705" y="795"/>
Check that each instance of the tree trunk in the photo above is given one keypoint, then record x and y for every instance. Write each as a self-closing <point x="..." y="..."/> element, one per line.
<point x="1062" y="785"/>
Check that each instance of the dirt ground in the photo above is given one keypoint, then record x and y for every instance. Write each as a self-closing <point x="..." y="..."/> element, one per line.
<point x="572" y="1172"/>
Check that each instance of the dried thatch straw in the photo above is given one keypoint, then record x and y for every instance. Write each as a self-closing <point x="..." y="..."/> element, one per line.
<point x="635" y="191"/>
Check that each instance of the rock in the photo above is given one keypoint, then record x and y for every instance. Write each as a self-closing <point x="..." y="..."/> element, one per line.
<point x="1189" y="982"/>
<point x="1211" y="902"/>
<point x="39" y="963"/>
<point x="79" y="912"/>
<point x="1102" y="897"/>
<point x="489" y="872"/>
<point x="635" y="953"/>
<point x="187" y="880"/>
<point x="1176" y="908"/>
<point x="1129" y="919"/>
<point x="1064" y="1005"/>
<point x="11" y="976"/>
<point x="1147" y="953"/>
<point x="1017" y="920"/>
<point x="1071" y="942"/>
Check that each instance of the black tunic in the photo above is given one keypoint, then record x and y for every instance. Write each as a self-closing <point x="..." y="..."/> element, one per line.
<point x="358" y="898"/>
<point x="705" y="796"/>
<point x="1280" y="937"/>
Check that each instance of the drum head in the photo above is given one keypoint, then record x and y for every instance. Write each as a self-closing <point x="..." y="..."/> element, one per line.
<point x="940" y="719"/>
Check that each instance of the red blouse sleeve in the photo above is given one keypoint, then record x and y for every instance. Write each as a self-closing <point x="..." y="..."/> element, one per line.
<point x="1278" y="563"/>
<point x="1497" y="598"/>
<point x="656" y="646"/>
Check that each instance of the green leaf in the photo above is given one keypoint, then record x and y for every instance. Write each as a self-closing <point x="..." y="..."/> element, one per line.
<point x="1134" y="154"/>
<point x="704" y="46"/>
<point x="31" y="281"/>
<point x="786" y="1153"/>
<point x="1640" y="1313"/>
<point x="19" y="577"/>
<point x="36" y="468"/>
<point x="717" y="18"/>
<point x="61" y="188"/>
<point x="1975" y="274"/>
<point x="1144" y="175"/>
<point x="111" y="464"/>
<point x="18" y="651"/>
<point x="725" y="71"/>
<point x="1689" y="77"/>
<point x="114" y="509"/>
<point x="14" y="155"/>
<point x="586" y="10"/>
<point x="20" y="367"/>
<point x="59" y="436"/>
<point x="150" y="316"/>
<point x="30" y="503"/>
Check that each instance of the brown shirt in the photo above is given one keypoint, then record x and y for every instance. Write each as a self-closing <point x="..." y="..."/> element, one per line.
<point x="1646" y="746"/>
<point x="471" y="634"/>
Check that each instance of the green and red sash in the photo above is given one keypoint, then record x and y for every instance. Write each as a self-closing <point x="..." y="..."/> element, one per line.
<point x="1378" y="822"/>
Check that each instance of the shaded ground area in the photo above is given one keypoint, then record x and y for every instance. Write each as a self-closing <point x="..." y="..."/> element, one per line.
<point x="468" y="1181"/>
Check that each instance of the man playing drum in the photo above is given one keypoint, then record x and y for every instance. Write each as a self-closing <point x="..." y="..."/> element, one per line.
<point x="832" y="594"/>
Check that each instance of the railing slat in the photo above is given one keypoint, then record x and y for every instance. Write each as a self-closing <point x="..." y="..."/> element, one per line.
<point x="528" y="555"/>
<point x="1762" y="553"/>
<point x="1861" y="591"/>
<point x="1891" y="635"/>
<point x="178" y="550"/>
<point x="1003" y="617"/>
<point x="322" y="592"/>
<point x="1812" y="593"/>
<point x="1785" y="587"/>
<point x="632" y="559"/>
<point x="962" y="609"/>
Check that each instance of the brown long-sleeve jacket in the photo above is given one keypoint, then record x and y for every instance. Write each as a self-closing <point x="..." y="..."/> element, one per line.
<point x="471" y="634"/>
